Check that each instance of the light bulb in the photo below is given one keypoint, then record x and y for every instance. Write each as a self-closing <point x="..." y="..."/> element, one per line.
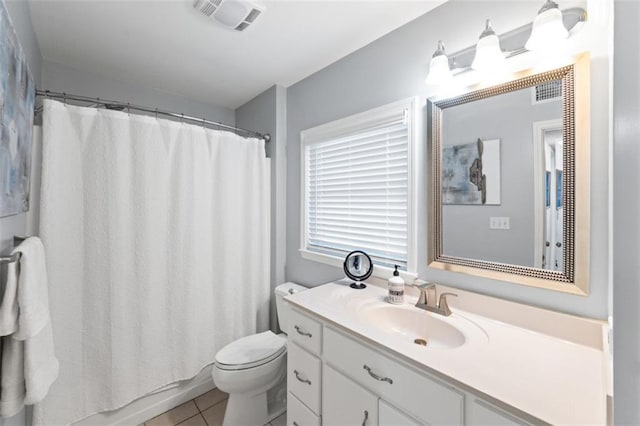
<point x="548" y="32"/>
<point x="489" y="57"/>
<point x="439" y="71"/>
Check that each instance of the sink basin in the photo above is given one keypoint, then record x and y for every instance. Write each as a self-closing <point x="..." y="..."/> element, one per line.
<point x="415" y="325"/>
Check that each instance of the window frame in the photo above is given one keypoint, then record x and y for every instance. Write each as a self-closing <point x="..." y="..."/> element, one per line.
<point x="351" y="124"/>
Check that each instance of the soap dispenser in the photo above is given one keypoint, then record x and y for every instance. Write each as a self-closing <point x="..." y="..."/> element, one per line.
<point x="396" y="288"/>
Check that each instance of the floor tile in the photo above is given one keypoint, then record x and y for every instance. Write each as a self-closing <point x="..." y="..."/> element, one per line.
<point x="175" y="416"/>
<point x="196" y="420"/>
<point x="214" y="415"/>
<point x="280" y="421"/>
<point x="210" y="399"/>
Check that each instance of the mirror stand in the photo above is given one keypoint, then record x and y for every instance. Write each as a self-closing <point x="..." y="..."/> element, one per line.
<point x="358" y="267"/>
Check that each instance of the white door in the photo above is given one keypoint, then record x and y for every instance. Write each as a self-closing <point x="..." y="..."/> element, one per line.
<point x="346" y="403"/>
<point x="390" y="416"/>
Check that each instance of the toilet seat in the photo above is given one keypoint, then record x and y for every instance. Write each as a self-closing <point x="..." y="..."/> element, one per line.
<point x="251" y="351"/>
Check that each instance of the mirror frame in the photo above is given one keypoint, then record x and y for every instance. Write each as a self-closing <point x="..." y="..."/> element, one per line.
<point x="574" y="278"/>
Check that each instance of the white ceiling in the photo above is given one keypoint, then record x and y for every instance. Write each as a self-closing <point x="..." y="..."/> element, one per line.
<point x="168" y="45"/>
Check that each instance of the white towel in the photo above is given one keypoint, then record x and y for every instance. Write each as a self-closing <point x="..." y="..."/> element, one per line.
<point x="9" y="303"/>
<point x="29" y="364"/>
<point x="33" y="289"/>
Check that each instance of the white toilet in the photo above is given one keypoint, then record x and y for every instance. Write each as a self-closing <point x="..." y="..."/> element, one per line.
<point x="253" y="370"/>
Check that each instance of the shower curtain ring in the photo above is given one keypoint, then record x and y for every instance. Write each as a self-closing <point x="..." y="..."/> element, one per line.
<point x="156" y="113"/>
<point x="182" y="118"/>
<point x="64" y="97"/>
<point x="129" y="108"/>
<point x="203" y="120"/>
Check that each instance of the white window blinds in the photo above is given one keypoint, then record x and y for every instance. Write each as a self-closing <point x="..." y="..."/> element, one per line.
<point x="356" y="190"/>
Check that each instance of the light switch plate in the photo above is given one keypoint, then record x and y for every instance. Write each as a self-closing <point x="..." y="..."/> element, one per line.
<point x="504" y="223"/>
<point x="494" y="223"/>
<point x="498" y="222"/>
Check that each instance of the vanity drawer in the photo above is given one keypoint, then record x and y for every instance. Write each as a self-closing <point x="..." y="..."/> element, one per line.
<point x="304" y="372"/>
<point x="425" y="398"/>
<point x="298" y="414"/>
<point x="306" y="332"/>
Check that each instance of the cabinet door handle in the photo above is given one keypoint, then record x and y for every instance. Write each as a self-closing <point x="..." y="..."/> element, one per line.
<point x="295" y="423"/>
<point x="307" y="381"/>
<point x="375" y="376"/>
<point x="366" y="417"/>
<point x="302" y="333"/>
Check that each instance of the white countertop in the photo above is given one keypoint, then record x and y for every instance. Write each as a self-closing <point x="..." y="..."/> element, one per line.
<point x="554" y="380"/>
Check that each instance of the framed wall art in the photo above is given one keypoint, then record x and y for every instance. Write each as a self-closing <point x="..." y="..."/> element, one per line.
<point x="17" y="99"/>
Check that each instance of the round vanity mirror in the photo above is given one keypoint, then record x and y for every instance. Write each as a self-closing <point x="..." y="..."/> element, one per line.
<point x="358" y="267"/>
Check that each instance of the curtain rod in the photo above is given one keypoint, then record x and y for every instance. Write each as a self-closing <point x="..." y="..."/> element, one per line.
<point x="119" y="106"/>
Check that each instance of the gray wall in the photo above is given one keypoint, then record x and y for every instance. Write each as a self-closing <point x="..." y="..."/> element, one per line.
<point x="17" y="225"/>
<point x="61" y="78"/>
<point x="626" y="205"/>
<point x="465" y="229"/>
<point x="394" y="67"/>
<point x="21" y="18"/>
<point x="266" y="113"/>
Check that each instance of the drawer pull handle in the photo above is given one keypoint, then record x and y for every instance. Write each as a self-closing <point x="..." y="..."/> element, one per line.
<point x="302" y="333"/>
<point x="375" y="376"/>
<point x="307" y="381"/>
<point x="366" y="417"/>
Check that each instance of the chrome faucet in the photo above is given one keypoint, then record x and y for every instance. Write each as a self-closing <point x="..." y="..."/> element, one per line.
<point x="427" y="299"/>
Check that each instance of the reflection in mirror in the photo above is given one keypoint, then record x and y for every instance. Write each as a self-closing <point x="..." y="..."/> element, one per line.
<point x="548" y="195"/>
<point x="494" y="171"/>
<point x="510" y="178"/>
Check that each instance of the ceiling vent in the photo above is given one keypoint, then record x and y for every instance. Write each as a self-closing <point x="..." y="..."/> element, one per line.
<point x="547" y="92"/>
<point x="236" y="14"/>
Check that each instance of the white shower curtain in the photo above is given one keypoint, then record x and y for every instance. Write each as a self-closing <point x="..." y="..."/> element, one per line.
<point x="157" y="242"/>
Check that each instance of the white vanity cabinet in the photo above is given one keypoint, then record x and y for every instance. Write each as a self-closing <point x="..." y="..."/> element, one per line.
<point x="344" y="402"/>
<point x="304" y="370"/>
<point x="389" y="416"/>
<point x="428" y="399"/>
<point x="336" y="378"/>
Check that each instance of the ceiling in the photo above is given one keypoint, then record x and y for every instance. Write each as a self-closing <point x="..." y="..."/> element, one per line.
<point x="169" y="46"/>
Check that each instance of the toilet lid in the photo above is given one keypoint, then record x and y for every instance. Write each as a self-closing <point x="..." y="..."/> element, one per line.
<point x="251" y="351"/>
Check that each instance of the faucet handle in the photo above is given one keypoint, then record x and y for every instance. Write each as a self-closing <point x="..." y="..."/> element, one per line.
<point x="422" y="288"/>
<point x="442" y="303"/>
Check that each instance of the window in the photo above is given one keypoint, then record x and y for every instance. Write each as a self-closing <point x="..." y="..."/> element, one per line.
<point x="357" y="183"/>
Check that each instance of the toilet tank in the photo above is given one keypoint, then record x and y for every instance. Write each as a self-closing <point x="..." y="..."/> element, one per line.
<point x="282" y="307"/>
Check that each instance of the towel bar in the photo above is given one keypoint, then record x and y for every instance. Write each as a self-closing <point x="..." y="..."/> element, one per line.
<point x="13" y="258"/>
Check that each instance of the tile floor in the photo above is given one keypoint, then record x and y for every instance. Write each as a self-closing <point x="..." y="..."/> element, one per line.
<point x="204" y="410"/>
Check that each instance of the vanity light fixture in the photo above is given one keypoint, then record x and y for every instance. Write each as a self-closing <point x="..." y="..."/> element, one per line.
<point x="548" y="32"/>
<point x="489" y="56"/>
<point x="439" y="71"/>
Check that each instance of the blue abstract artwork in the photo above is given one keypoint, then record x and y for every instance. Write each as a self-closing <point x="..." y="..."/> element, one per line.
<point x="17" y="99"/>
<point x="471" y="173"/>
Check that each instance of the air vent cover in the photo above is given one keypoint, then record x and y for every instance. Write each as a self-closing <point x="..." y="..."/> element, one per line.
<point x="549" y="91"/>
<point x="207" y="7"/>
<point x="236" y="14"/>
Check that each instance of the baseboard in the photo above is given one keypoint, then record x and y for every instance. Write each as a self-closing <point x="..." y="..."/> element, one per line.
<point x="152" y="405"/>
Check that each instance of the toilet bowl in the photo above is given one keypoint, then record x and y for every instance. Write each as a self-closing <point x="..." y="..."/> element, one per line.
<point x="253" y="369"/>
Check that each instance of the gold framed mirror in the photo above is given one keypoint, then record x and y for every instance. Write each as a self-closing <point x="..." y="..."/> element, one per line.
<point x="510" y="180"/>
